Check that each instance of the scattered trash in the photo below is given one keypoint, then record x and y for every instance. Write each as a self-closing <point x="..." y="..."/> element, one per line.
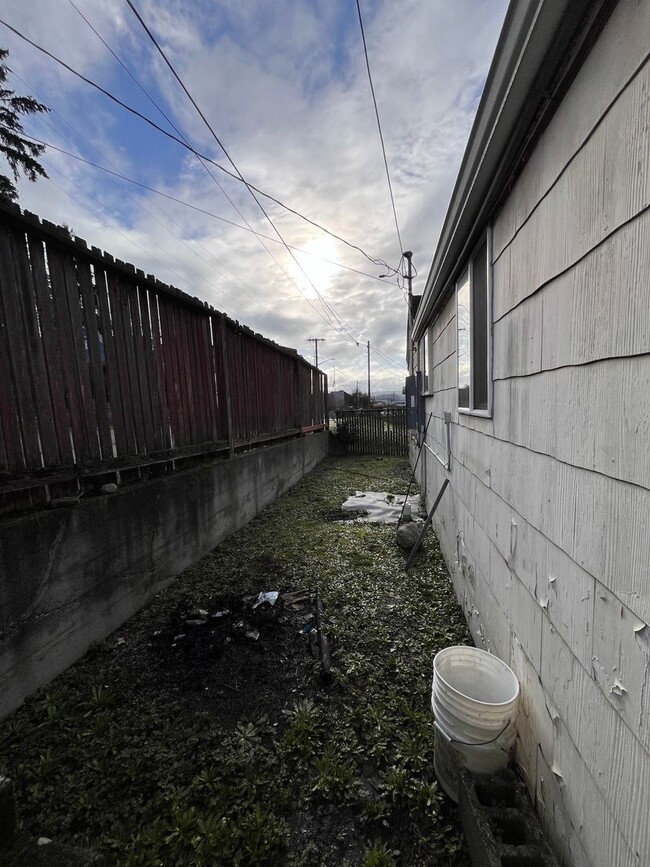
<point x="222" y="624"/>
<point x="270" y="596"/>
<point x="296" y="599"/>
<point x="110" y="488"/>
<point x="121" y="641"/>
<point x="43" y="841"/>
<point x="380" y="507"/>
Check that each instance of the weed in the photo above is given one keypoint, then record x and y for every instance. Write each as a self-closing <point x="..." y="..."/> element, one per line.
<point x="378" y="855"/>
<point x="302" y="734"/>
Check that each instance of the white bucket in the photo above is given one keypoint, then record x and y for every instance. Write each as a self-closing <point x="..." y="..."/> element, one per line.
<point x="474" y="701"/>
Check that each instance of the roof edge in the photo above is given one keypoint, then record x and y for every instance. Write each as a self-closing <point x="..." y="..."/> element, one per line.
<point x="540" y="49"/>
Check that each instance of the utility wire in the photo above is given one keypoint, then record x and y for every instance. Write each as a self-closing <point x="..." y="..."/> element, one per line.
<point x="219" y="268"/>
<point x="329" y="319"/>
<point x="328" y="307"/>
<point x="133" y="111"/>
<point x="103" y="220"/>
<point x="192" y="207"/>
<point x="333" y="317"/>
<point x="330" y="322"/>
<point x="189" y="147"/>
<point x="381" y="136"/>
<point x="186" y="143"/>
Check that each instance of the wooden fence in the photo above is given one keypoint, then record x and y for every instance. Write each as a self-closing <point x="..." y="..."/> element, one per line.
<point x="104" y="368"/>
<point x="374" y="431"/>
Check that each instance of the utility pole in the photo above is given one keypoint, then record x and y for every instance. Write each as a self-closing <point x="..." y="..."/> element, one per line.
<point x="357" y="394"/>
<point x="368" y="374"/>
<point x="316" y="341"/>
<point x="408" y="255"/>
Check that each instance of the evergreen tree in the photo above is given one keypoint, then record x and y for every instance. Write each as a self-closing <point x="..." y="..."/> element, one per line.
<point x="19" y="153"/>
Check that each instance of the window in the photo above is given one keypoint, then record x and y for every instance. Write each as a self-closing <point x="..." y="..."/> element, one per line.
<point x="473" y="324"/>
<point x="425" y="362"/>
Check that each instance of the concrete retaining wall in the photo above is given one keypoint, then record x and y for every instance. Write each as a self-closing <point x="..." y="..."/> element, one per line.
<point x="70" y="576"/>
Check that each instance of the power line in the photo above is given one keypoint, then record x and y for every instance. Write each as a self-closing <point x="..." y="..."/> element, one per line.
<point x="147" y="253"/>
<point x="381" y="136"/>
<point x="333" y="316"/>
<point x="167" y="251"/>
<point x="328" y="307"/>
<point x="379" y="354"/>
<point x="106" y="222"/>
<point x="189" y="147"/>
<point x="343" y="326"/>
<point x="219" y="268"/>
<point x="179" y="132"/>
<point x="185" y="141"/>
<point x="329" y="310"/>
<point x="186" y="204"/>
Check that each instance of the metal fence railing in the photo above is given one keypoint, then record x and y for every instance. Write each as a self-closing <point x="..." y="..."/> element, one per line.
<point x="373" y="431"/>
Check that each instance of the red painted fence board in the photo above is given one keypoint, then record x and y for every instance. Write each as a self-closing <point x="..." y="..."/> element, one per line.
<point x="103" y="368"/>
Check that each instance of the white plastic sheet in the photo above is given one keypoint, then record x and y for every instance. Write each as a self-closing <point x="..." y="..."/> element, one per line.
<point x="381" y="507"/>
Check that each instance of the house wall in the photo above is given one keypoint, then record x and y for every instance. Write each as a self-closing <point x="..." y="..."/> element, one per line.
<point x="70" y="576"/>
<point x="546" y="524"/>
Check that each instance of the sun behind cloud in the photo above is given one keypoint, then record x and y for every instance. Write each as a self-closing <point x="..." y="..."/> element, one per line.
<point x="313" y="266"/>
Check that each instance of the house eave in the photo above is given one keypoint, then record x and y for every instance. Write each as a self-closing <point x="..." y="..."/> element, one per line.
<point x="541" y="46"/>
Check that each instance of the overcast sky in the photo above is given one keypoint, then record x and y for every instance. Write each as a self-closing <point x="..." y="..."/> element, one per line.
<point x="285" y="88"/>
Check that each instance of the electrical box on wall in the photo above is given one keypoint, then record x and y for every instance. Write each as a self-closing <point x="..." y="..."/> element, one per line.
<point x="414" y="403"/>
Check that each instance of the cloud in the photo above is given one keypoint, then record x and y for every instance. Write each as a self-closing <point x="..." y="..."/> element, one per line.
<point x="285" y="87"/>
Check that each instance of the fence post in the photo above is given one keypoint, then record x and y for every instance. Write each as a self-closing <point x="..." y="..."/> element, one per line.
<point x="298" y="393"/>
<point x="226" y="371"/>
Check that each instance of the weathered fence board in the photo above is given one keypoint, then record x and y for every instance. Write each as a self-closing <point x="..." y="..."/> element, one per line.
<point x="103" y="368"/>
<point x="91" y="325"/>
<point x="18" y="357"/>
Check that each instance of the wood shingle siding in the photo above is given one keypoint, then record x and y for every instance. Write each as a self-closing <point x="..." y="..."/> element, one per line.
<point x="545" y="523"/>
<point x="615" y="59"/>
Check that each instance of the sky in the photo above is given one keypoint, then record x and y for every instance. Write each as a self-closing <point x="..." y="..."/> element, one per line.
<point x="285" y="89"/>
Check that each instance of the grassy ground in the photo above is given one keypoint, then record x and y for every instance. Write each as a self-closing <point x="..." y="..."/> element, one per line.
<point x="222" y="749"/>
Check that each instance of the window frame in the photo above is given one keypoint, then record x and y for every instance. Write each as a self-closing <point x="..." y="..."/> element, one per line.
<point x="425" y="361"/>
<point x="468" y="268"/>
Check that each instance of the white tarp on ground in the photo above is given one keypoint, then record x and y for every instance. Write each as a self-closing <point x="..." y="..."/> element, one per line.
<point x="380" y="506"/>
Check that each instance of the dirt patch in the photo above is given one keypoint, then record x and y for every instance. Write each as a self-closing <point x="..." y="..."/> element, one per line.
<point x="327" y="836"/>
<point x="234" y="656"/>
